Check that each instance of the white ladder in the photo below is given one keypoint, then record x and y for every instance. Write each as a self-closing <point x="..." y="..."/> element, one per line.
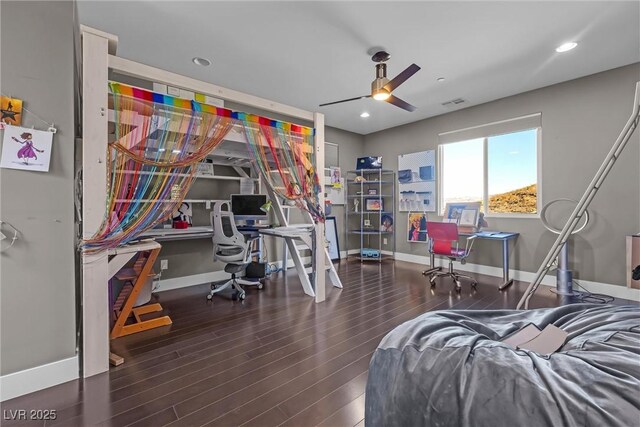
<point x="585" y="200"/>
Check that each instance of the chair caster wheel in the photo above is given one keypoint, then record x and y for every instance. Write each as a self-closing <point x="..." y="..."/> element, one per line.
<point x="260" y="286"/>
<point x="241" y="296"/>
<point x="214" y="287"/>
<point x="209" y="297"/>
<point x="474" y="285"/>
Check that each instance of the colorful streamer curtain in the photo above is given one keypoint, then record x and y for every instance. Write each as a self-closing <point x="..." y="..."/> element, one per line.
<point x="284" y="154"/>
<point x="159" y="140"/>
<point x="152" y="160"/>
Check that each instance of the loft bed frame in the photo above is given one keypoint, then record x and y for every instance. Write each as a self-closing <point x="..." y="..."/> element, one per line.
<point x="98" y="58"/>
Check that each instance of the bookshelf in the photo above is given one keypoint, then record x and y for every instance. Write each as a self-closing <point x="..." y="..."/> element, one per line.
<point x="370" y="195"/>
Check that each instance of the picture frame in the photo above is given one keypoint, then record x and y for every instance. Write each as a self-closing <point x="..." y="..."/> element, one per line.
<point x="386" y="223"/>
<point x="468" y="217"/>
<point x="453" y="211"/>
<point x="376" y="204"/>
<point x="331" y="234"/>
<point x="417" y="227"/>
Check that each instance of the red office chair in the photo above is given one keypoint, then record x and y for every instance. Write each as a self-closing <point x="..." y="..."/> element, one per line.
<point x="442" y="236"/>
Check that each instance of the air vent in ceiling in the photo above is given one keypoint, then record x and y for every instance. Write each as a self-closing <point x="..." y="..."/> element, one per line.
<point x="453" y="102"/>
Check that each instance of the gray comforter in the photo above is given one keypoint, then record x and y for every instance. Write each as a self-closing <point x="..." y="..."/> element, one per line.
<point x="448" y="368"/>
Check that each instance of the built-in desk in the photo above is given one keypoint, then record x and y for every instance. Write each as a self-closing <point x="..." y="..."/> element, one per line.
<point x="166" y="234"/>
<point x="502" y="236"/>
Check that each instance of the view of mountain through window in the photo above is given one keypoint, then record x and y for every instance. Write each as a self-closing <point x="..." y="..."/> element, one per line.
<point x="508" y="176"/>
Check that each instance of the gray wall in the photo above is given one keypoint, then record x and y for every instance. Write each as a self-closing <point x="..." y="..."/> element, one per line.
<point x="37" y="277"/>
<point x="580" y="121"/>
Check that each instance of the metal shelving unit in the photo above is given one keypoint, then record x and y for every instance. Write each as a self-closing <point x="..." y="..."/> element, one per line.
<point x="367" y="223"/>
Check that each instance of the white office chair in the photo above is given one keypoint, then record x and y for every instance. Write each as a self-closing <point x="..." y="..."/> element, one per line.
<point x="232" y="247"/>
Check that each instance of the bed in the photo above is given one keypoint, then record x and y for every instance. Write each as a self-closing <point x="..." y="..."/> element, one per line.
<point x="449" y="368"/>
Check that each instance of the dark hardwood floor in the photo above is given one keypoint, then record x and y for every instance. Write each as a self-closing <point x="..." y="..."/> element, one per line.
<point x="278" y="358"/>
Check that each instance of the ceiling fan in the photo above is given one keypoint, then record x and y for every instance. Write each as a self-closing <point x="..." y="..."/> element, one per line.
<point x="382" y="87"/>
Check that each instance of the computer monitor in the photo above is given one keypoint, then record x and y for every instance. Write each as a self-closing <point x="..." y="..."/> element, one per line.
<point x="247" y="206"/>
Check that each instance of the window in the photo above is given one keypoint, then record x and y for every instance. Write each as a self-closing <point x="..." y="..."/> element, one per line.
<point x="500" y="171"/>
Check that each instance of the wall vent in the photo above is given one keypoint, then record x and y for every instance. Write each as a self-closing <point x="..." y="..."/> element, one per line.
<point x="453" y="102"/>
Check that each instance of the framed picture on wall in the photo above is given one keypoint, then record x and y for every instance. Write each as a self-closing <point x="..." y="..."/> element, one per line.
<point x="331" y="234"/>
<point x="417" y="227"/>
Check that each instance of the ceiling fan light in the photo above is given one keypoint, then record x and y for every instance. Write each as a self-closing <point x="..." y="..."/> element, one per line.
<point x="381" y="95"/>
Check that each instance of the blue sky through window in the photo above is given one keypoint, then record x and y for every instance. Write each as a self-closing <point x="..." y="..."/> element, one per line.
<point x="512" y="161"/>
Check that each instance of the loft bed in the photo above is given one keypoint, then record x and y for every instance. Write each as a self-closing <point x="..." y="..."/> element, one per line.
<point x="118" y="129"/>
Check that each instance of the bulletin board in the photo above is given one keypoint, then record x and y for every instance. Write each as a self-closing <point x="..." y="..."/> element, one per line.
<point x="417" y="182"/>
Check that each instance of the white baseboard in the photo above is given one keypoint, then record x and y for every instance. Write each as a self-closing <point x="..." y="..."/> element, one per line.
<point x="38" y="378"/>
<point x="616" y="291"/>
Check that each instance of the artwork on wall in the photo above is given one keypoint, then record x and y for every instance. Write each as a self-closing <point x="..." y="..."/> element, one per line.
<point x="11" y="110"/>
<point x="334" y="186"/>
<point x="331" y="234"/>
<point x="26" y="149"/>
<point x="417" y="182"/>
<point x="417" y="227"/>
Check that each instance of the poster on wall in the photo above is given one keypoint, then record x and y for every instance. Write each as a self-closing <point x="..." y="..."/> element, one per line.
<point x="417" y="181"/>
<point x="334" y="186"/>
<point x="11" y="110"/>
<point x="417" y="227"/>
<point x="26" y="149"/>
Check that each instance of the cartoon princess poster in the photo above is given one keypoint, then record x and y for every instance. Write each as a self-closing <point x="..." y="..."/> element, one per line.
<point x="26" y="149"/>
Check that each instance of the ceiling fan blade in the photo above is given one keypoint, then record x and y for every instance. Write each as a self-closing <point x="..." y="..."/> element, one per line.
<point x="346" y="100"/>
<point x="400" y="103"/>
<point x="402" y="77"/>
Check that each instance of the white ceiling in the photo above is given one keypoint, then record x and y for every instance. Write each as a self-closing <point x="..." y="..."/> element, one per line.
<point x="307" y="53"/>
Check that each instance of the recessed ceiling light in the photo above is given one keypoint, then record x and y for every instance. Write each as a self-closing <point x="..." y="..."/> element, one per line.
<point x="364" y="115"/>
<point x="201" y="61"/>
<point x="565" y="47"/>
<point x="440" y="79"/>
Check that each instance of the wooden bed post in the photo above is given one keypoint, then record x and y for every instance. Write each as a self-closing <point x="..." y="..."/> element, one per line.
<point x="95" y="292"/>
<point x="319" y="252"/>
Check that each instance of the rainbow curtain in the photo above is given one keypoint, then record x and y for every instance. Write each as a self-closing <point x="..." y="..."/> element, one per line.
<point x="284" y="155"/>
<point x="157" y="143"/>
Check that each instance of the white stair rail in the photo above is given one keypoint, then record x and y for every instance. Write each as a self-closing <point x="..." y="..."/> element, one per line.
<point x="585" y="200"/>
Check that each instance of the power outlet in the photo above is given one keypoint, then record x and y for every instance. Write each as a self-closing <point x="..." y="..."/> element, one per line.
<point x="164" y="264"/>
<point x="384" y="241"/>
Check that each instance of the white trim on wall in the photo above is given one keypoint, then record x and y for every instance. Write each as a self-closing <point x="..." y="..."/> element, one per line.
<point x="616" y="291"/>
<point x="38" y="378"/>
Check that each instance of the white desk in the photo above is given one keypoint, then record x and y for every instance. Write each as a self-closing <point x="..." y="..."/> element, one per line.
<point x="165" y="234"/>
